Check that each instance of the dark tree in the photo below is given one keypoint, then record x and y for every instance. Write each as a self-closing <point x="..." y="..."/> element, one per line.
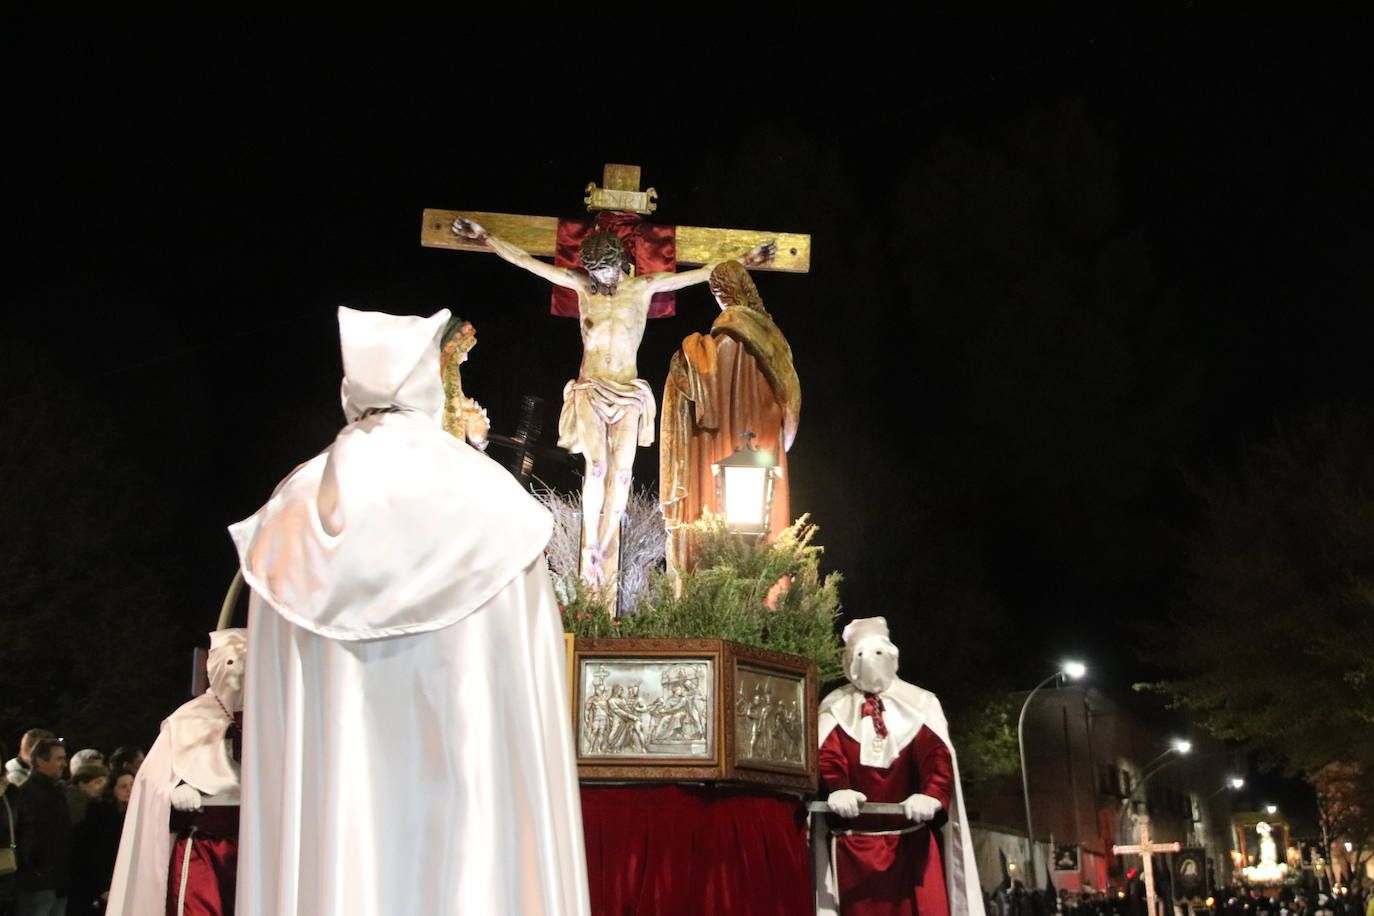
<point x="1273" y="646"/>
<point x="1345" y="812"/>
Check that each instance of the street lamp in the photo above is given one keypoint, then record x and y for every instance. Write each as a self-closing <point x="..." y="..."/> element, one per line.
<point x="744" y="487"/>
<point x="1069" y="670"/>
<point x="1237" y="783"/>
<point x="1177" y="746"/>
<point x="1272" y="809"/>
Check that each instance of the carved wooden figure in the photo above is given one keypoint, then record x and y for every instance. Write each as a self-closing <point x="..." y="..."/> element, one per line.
<point x="627" y="275"/>
<point x="735" y="380"/>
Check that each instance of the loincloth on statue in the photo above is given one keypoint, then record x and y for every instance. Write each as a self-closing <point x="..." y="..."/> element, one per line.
<point x="610" y="401"/>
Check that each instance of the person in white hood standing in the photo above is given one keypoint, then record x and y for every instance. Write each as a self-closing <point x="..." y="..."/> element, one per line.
<point x="885" y="740"/>
<point x="407" y="745"/>
<point x="178" y="846"/>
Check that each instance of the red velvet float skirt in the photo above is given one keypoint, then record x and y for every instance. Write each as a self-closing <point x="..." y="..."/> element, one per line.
<point x="675" y="850"/>
<point x="211" y="836"/>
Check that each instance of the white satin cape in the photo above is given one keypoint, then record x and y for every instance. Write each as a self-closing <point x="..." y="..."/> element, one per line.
<point x="906" y="708"/>
<point x="190" y="748"/>
<point x="407" y="741"/>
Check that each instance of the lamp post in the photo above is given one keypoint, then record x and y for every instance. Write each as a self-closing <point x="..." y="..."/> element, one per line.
<point x="1072" y="670"/>
<point x="1177" y="747"/>
<point x="744" y="487"/>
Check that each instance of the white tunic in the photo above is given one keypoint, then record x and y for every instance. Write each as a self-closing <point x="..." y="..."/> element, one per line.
<point x="407" y="743"/>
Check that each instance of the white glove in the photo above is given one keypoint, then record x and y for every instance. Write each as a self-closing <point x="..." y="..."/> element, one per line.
<point x="186" y="798"/>
<point x="845" y="802"/>
<point x="920" y="808"/>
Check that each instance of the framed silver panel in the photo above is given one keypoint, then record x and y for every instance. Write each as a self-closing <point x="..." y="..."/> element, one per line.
<point x="772" y="720"/>
<point x="647" y="709"/>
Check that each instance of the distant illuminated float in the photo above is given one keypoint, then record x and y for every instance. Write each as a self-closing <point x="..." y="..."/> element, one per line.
<point x="1269" y="870"/>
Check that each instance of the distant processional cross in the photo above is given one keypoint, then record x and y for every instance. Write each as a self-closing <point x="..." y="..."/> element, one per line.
<point x="1146" y="850"/>
<point x="608" y="411"/>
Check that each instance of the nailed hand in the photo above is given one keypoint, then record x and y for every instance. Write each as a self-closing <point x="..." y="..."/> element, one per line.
<point x="761" y="254"/>
<point x="469" y="229"/>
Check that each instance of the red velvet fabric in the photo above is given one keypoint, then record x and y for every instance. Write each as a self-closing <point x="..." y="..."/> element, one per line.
<point x="213" y="834"/>
<point x="652" y="249"/>
<point x="901" y="875"/>
<point x="674" y="850"/>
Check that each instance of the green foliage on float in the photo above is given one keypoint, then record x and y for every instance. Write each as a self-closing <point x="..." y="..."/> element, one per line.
<point x="769" y="595"/>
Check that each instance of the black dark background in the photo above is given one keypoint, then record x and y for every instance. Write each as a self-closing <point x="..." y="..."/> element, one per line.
<point x="1061" y="263"/>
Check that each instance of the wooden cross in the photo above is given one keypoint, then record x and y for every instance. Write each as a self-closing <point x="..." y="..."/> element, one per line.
<point x="1146" y="850"/>
<point x="606" y="486"/>
<point x="539" y="234"/>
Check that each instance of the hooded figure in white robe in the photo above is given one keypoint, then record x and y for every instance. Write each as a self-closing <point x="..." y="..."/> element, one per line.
<point x="407" y="743"/>
<point x="190" y="767"/>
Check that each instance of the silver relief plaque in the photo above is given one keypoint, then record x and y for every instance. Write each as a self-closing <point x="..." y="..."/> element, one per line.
<point x="647" y="707"/>
<point x="770" y="718"/>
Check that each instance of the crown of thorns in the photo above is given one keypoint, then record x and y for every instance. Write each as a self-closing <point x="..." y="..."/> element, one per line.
<point x="603" y="249"/>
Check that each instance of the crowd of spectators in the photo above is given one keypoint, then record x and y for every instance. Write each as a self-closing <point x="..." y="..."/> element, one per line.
<point x="62" y="819"/>
<point x="1355" y="900"/>
<point x="1016" y="900"/>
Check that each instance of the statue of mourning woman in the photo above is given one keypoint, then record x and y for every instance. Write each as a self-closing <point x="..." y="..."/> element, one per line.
<point x="736" y="379"/>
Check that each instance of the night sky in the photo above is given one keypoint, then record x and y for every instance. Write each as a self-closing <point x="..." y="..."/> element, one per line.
<point x="1060" y="266"/>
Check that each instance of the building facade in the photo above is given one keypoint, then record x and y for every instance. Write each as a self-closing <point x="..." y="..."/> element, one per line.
<point x="1097" y="770"/>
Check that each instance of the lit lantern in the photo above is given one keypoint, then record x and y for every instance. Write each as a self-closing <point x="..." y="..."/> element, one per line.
<point x="744" y="487"/>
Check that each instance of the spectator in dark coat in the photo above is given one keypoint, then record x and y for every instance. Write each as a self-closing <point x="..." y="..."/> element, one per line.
<point x="17" y="768"/>
<point x="126" y="760"/>
<point x="44" y="831"/>
<point x="82" y="758"/>
<point x="95" y="846"/>
<point x="88" y="783"/>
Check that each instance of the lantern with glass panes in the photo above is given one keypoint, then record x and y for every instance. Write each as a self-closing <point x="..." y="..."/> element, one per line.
<point x="744" y="487"/>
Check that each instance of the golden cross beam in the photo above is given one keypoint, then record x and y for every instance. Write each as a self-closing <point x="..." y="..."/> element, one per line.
<point x="539" y="234"/>
<point x="1134" y="849"/>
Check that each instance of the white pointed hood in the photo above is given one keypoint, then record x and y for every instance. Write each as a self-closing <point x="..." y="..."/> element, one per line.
<point x="391" y="361"/>
<point x="397" y="527"/>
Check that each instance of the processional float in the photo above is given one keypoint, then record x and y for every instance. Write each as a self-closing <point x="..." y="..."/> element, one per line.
<point x="697" y="757"/>
<point x="707" y="727"/>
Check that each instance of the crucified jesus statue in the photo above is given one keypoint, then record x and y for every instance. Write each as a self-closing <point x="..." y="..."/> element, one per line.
<point x="608" y="411"/>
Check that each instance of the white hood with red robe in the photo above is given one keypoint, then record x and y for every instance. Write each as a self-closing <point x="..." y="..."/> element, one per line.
<point x="906" y="709"/>
<point x="193" y="747"/>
